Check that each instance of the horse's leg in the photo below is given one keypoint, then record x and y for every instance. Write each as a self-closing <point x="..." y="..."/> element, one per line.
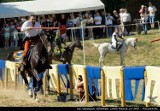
<point x="100" y="60"/>
<point x="122" y="58"/>
<point x="31" y="89"/>
<point x="35" y="74"/>
<point x="34" y="88"/>
<point x="48" y="79"/>
<point x="104" y="58"/>
<point x="25" y="79"/>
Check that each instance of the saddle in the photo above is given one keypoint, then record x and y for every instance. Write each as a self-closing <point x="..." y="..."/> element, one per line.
<point x="119" y="46"/>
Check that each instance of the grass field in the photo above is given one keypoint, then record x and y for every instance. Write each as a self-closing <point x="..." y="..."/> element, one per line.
<point x="146" y="54"/>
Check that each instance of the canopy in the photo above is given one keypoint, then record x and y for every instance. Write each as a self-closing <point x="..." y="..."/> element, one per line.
<point x="42" y="7"/>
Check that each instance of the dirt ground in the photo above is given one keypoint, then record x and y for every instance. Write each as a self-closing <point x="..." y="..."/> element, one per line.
<point x="20" y="98"/>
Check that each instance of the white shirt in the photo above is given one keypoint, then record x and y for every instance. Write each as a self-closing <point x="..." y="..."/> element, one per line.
<point x="152" y="10"/>
<point x="126" y="17"/>
<point x="114" y="39"/>
<point x="144" y="18"/>
<point x="32" y="32"/>
<point x="98" y="20"/>
<point x="109" y="20"/>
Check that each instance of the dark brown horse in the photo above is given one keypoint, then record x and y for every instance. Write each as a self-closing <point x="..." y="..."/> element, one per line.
<point x="37" y="60"/>
<point x="68" y="52"/>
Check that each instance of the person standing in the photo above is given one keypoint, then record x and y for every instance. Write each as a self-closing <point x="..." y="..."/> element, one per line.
<point x="152" y="12"/>
<point x="144" y="19"/>
<point x="126" y="20"/>
<point x="15" y="37"/>
<point x="109" y="23"/>
<point x="7" y="35"/>
<point x="31" y="29"/>
<point x="98" y="22"/>
<point x="116" y="19"/>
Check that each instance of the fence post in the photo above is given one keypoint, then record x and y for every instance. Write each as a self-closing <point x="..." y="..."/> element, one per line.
<point x="123" y="104"/>
<point x="103" y="88"/>
<point x="44" y="82"/>
<point x="71" y="82"/>
<point x="145" y="79"/>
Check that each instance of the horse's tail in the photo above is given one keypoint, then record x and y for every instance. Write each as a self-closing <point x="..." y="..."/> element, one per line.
<point x="96" y="45"/>
<point x="10" y="56"/>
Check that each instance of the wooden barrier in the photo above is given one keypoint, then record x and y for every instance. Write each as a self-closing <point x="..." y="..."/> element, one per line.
<point x="123" y="102"/>
<point x="80" y="70"/>
<point x="103" y="88"/>
<point x="145" y="79"/>
<point x="152" y="91"/>
<point x="112" y="73"/>
<point x="2" y="67"/>
<point x="11" y="67"/>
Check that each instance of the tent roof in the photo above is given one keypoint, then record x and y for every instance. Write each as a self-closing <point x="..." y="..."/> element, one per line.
<point x="42" y="7"/>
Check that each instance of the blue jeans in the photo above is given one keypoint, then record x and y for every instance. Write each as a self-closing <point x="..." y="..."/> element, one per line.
<point x="33" y="83"/>
<point x="145" y="29"/>
<point x="151" y="19"/>
<point x="109" y="30"/>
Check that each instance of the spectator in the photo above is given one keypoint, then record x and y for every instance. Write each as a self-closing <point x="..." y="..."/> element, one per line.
<point x="78" y="24"/>
<point x="69" y="25"/>
<point x="97" y="22"/>
<point x="90" y="23"/>
<point x="11" y="35"/>
<point x="152" y="12"/>
<point x="121" y="11"/>
<point x="7" y="35"/>
<point x="116" y="19"/>
<point x="142" y="10"/>
<point x="109" y="23"/>
<point x="80" y="87"/>
<point x="15" y="38"/>
<point x="74" y="24"/>
<point x="103" y="22"/>
<point x="144" y="19"/>
<point x="126" y="20"/>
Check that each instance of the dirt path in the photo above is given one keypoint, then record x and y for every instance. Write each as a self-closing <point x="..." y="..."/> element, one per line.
<point x="20" y="98"/>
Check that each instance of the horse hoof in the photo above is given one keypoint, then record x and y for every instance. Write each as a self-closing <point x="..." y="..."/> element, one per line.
<point x="37" y="100"/>
<point x="30" y="94"/>
<point x="36" y="89"/>
<point x="47" y="92"/>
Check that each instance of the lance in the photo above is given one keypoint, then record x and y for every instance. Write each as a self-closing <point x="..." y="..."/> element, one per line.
<point x="43" y="28"/>
<point x="155" y="40"/>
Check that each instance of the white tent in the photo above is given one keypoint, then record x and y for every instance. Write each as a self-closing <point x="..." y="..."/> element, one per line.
<point x="42" y="7"/>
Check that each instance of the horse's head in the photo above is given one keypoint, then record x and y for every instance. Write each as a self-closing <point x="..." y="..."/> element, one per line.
<point x="132" y="42"/>
<point x="78" y="44"/>
<point x="46" y="43"/>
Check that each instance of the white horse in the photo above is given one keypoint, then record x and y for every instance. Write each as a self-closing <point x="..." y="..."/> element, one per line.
<point x="105" y="48"/>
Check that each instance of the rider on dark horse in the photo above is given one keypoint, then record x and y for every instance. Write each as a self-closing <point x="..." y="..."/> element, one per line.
<point x="32" y="30"/>
<point x="115" y="43"/>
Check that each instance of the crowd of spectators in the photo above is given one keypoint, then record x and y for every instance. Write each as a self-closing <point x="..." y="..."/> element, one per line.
<point x="12" y="36"/>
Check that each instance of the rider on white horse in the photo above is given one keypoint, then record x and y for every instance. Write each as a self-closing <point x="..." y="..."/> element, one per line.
<point x="115" y="43"/>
